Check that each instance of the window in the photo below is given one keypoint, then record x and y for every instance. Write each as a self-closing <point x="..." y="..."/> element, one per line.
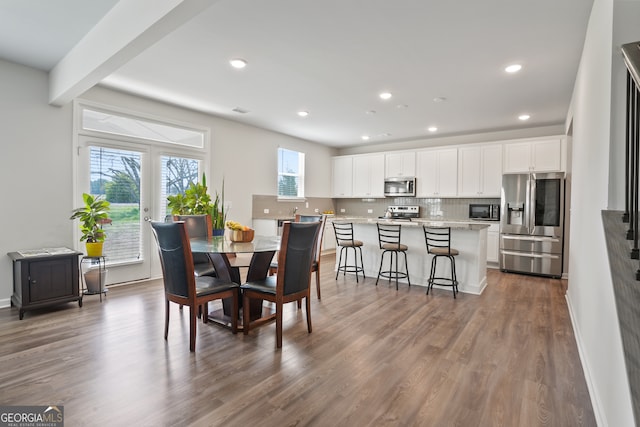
<point x="290" y="174"/>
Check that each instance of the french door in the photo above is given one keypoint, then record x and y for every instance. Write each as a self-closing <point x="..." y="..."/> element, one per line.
<point x="120" y="172"/>
<point x="136" y="179"/>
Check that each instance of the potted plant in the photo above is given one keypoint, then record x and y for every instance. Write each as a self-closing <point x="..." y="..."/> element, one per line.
<point x="197" y="201"/>
<point x="218" y="216"/>
<point x="92" y="216"/>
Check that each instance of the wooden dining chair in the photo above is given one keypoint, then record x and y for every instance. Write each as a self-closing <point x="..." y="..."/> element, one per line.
<point x="199" y="226"/>
<point x="181" y="285"/>
<point x="292" y="283"/>
<point x="273" y="268"/>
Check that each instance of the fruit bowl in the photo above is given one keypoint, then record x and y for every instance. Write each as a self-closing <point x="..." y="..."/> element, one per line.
<point x="242" y="235"/>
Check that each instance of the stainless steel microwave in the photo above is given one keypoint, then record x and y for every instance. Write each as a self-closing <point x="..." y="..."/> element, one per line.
<point x="400" y="187"/>
<point x="488" y="211"/>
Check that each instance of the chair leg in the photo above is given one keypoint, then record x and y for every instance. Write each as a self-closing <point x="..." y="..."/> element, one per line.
<point x="234" y="311"/>
<point x="192" y="328"/>
<point x="299" y="304"/>
<point x="204" y="308"/>
<point x="395" y="255"/>
<point x="318" y="280"/>
<point x="355" y="260"/>
<point x="361" y="262"/>
<point x="308" y="312"/>
<point x="380" y="269"/>
<point x="166" y="320"/>
<point x="339" y="262"/>
<point x="406" y="268"/>
<point x="431" y="274"/>
<point x="245" y="314"/>
<point x="278" y="325"/>
<point x="454" y="278"/>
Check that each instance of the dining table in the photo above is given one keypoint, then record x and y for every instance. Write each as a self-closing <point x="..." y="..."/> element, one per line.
<point x="222" y="252"/>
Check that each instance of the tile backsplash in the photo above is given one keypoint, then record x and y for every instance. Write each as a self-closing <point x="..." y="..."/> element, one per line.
<point x="285" y="209"/>
<point x="432" y="208"/>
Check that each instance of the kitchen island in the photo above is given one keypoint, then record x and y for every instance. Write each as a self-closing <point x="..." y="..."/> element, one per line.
<point x="468" y="237"/>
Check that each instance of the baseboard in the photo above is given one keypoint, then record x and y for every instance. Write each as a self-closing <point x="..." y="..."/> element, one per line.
<point x="5" y="302"/>
<point x="593" y="394"/>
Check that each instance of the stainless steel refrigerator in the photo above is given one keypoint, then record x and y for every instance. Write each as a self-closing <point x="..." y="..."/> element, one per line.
<point x="531" y="223"/>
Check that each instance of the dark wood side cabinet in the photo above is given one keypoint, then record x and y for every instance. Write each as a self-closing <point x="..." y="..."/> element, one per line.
<point x="45" y="277"/>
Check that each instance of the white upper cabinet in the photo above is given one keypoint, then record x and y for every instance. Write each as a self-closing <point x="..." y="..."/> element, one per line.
<point x="437" y="173"/>
<point x="480" y="171"/>
<point x="534" y="156"/>
<point x="342" y="176"/>
<point x="368" y="175"/>
<point x="400" y="164"/>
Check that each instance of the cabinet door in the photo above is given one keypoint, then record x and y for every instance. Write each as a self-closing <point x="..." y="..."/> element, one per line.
<point x="469" y="171"/>
<point x="342" y="176"/>
<point x="493" y="247"/>
<point x="426" y="173"/>
<point x="448" y="173"/>
<point x="400" y="164"/>
<point x="546" y="155"/>
<point x="517" y="157"/>
<point x="368" y="176"/>
<point x="50" y="279"/>
<point x="491" y="171"/>
<point x="265" y="227"/>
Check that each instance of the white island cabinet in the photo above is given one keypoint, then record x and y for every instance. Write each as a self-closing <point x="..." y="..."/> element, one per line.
<point x="468" y="237"/>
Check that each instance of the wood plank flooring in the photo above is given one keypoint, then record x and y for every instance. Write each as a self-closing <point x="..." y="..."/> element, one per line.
<point x="376" y="357"/>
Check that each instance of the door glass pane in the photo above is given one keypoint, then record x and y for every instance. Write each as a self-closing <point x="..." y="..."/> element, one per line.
<point x="548" y="202"/>
<point x="115" y="174"/>
<point x="177" y="173"/>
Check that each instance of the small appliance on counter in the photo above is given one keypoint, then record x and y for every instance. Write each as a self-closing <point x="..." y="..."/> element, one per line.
<point x="402" y="212"/>
<point x="400" y="187"/>
<point x="484" y="211"/>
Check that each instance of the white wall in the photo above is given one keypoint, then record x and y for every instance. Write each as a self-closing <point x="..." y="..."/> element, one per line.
<point x="590" y="293"/>
<point x="36" y="162"/>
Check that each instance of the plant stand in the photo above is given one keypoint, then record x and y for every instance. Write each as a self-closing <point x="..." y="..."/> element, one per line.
<point x="89" y="283"/>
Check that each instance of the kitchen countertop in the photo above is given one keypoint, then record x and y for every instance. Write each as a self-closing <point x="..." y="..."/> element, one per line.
<point x="419" y="222"/>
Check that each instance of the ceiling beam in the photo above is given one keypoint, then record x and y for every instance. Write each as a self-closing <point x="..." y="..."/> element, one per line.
<point x="124" y="32"/>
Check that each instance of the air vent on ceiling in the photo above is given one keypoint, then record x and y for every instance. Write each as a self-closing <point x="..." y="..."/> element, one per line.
<point x="240" y="110"/>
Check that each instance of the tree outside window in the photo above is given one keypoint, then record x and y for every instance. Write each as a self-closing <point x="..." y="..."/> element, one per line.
<point x="290" y="173"/>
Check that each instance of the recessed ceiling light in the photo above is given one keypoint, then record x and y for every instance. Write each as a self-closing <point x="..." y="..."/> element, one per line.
<point x="432" y="128"/>
<point x="238" y="63"/>
<point x="371" y="112"/>
<point x="365" y="137"/>
<point x="524" y="117"/>
<point x="303" y="113"/>
<point x="439" y="99"/>
<point x="385" y="95"/>
<point x="513" y="68"/>
<point x="402" y="106"/>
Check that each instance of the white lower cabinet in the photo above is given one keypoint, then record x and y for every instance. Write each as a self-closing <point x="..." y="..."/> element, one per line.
<point x="493" y="243"/>
<point x="265" y="227"/>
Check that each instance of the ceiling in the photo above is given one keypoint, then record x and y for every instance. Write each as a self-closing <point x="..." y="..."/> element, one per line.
<point x="443" y="62"/>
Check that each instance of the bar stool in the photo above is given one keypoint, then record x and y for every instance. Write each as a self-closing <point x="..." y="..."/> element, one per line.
<point x="389" y="241"/>
<point x="438" y="241"/>
<point x="344" y="239"/>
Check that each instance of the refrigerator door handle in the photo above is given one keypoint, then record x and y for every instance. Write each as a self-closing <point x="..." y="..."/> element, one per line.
<point x="531" y="203"/>
<point x="531" y="238"/>
<point x="530" y="254"/>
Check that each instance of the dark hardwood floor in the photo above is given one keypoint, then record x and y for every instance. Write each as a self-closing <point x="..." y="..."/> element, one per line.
<point x="376" y="356"/>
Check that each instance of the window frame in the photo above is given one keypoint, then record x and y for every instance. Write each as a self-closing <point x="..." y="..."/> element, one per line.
<point x="300" y="175"/>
